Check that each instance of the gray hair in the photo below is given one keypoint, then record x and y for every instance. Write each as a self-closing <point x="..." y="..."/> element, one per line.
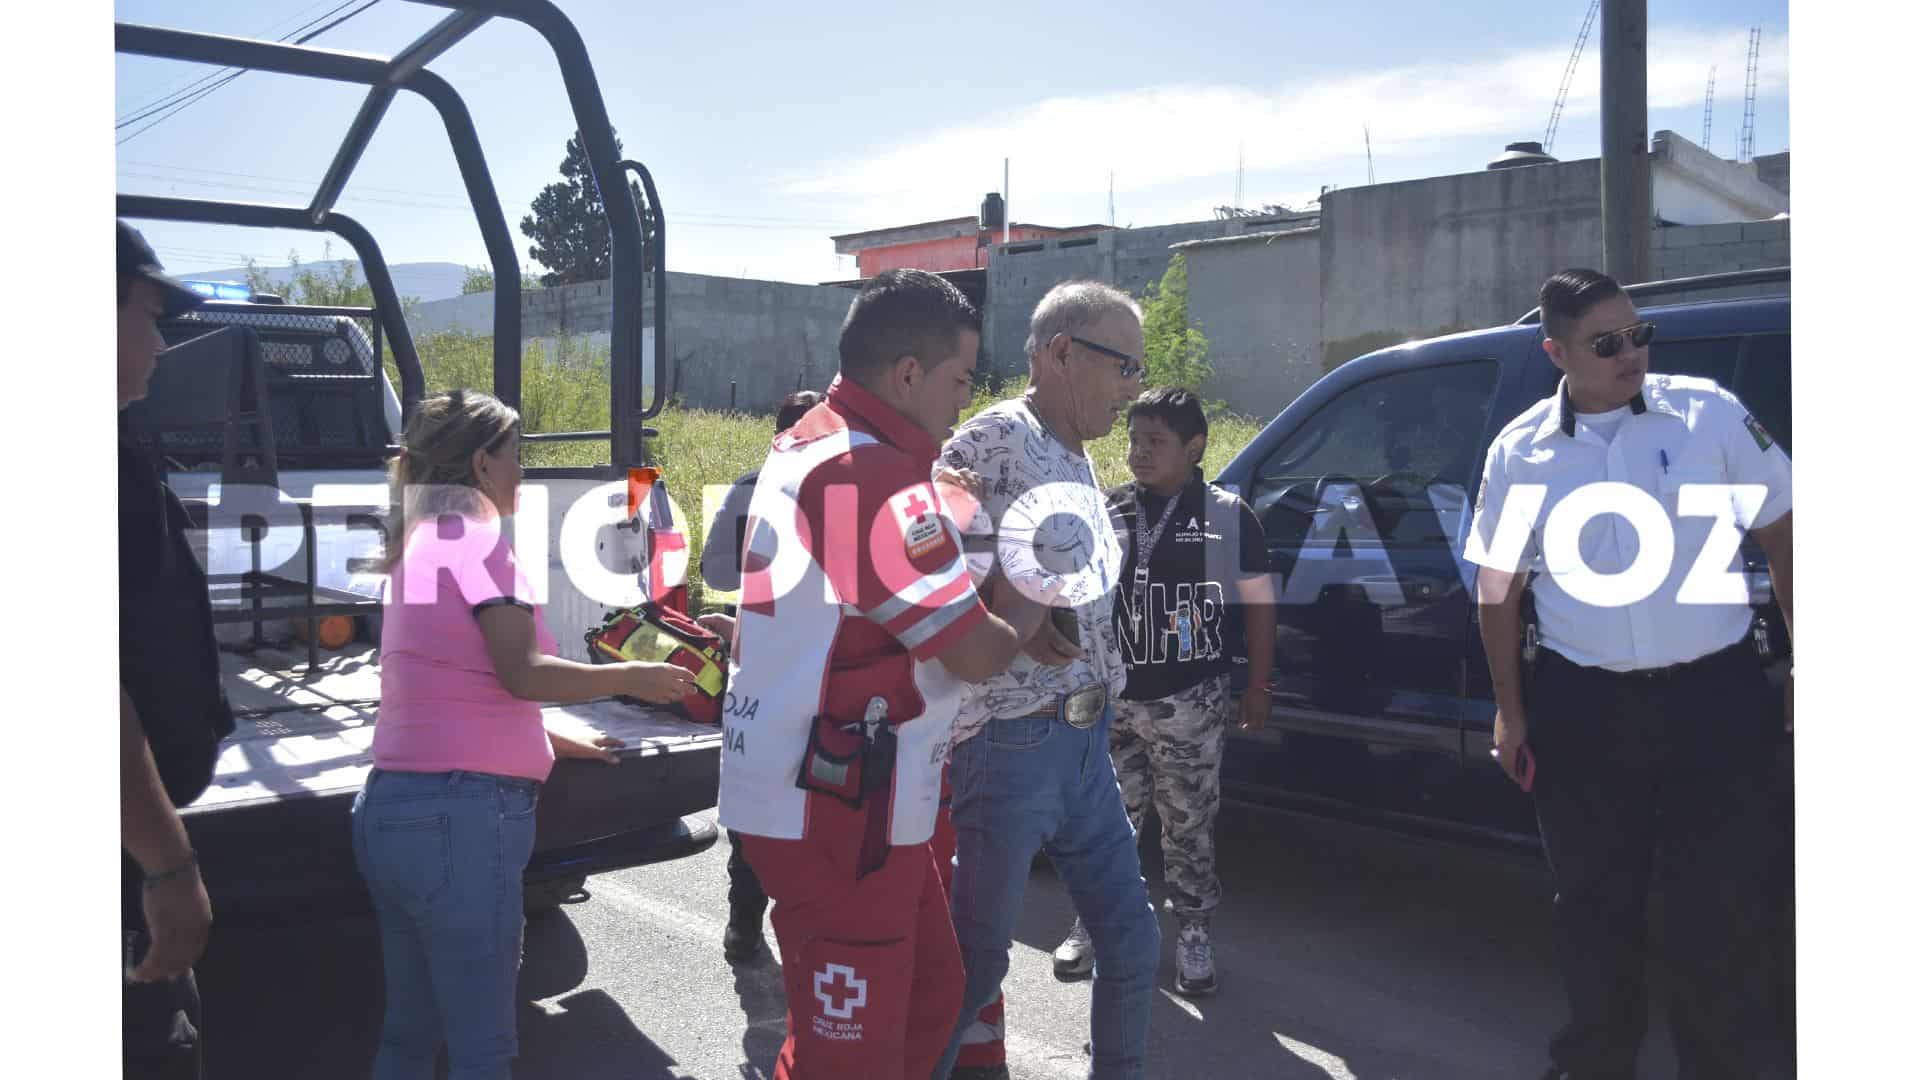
<point x="1072" y="306"/>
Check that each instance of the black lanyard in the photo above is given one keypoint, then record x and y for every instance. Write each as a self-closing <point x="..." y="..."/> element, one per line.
<point x="1143" y="544"/>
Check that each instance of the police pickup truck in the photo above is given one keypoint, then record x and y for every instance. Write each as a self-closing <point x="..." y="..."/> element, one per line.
<point x="271" y="831"/>
<point x="1382" y="703"/>
<point x="274" y="422"/>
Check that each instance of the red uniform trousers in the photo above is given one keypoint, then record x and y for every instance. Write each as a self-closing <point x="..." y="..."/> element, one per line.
<point x="873" y="971"/>
<point x="984" y="1045"/>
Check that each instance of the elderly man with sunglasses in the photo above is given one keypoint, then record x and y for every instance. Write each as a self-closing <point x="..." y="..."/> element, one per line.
<point x="1030" y="764"/>
<point x="1637" y="712"/>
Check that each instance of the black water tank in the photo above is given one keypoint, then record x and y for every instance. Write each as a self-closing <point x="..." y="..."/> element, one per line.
<point x="993" y="211"/>
<point x="1522" y="153"/>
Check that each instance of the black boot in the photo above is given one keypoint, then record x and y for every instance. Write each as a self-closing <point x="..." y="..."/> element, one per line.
<point x="742" y="940"/>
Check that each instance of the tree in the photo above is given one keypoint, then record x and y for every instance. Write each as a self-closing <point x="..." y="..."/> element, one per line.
<point x="1176" y="350"/>
<point x="568" y="225"/>
<point x="479" y="279"/>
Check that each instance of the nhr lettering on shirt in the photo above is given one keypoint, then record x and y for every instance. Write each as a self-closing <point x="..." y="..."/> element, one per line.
<point x="1160" y="641"/>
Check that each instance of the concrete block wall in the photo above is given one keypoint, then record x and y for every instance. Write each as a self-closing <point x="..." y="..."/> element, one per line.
<point x="1257" y="299"/>
<point x="765" y="338"/>
<point x="1414" y="259"/>
<point x="1693" y="250"/>
<point x="735" y="340"/>
<point x="1019" y="274"/>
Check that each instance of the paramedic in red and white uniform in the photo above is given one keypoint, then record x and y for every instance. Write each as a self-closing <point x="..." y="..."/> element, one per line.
<point x="858" y="620"/>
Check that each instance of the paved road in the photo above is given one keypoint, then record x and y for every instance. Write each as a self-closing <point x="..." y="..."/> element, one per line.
<point x="1343" y="953"/>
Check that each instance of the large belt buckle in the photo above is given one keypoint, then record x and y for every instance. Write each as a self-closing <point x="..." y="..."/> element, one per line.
<point x="1082" y="708"/>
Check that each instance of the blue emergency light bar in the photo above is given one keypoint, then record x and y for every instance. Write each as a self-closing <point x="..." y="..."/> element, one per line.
<point x="220" y="290"/>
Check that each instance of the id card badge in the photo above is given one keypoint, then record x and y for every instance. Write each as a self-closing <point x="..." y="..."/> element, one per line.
<point x="1139" y="600"/>
<point x="1183" y="626"/>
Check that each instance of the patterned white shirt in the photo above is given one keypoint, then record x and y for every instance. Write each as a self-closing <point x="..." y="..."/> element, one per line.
<point x="1035" y="487"/>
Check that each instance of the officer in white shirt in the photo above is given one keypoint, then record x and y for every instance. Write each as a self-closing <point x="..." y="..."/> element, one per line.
<point x="1643" y="725"/>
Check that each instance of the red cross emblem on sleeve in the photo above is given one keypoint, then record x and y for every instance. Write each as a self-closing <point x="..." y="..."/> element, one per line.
<point x="920" y="527"/>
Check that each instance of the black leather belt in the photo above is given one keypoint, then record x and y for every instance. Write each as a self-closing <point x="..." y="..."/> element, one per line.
<point x="1719" y="658"/>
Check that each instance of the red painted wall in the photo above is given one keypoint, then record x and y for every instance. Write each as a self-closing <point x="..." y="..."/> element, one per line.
<point x="949" y="253"/>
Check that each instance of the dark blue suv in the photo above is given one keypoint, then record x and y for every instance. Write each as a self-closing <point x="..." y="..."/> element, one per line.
<point x="1383" y="708"/>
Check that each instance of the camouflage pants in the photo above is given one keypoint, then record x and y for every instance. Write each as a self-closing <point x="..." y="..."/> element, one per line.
<point x="1168" y="751"/>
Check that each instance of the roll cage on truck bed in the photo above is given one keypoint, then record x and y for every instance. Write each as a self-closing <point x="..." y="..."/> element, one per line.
<point x="271" y="831"/>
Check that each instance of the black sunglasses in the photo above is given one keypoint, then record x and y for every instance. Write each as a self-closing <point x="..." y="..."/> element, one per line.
<point x="1129" y="365"/>
<point x="1605" y="345"/>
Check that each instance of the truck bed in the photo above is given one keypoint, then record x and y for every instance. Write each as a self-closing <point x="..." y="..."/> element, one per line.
<point x="272" y="829"/>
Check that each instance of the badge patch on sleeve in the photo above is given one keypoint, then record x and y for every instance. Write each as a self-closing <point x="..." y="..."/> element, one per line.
<point x="918" y="517"/>
<point x="1760" y="436"/>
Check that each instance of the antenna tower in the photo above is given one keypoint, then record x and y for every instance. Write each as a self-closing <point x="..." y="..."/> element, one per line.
<point x="1368" y="132"/>
<point x="1240" y="178"/>
<point x="1566" y="80"/>
<point x="1109" y="196"/>
<point x="1753" y="86"/>
<point x="1706" y="124"/>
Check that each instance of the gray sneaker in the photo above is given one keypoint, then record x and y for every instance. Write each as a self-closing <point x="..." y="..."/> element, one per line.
<point x="1193" y="957"/>
<point x="1074" y="958"/>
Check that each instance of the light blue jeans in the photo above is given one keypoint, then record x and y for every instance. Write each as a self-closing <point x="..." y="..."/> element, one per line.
<point x="1027" y="784"/>
<point x="443" y="855"/>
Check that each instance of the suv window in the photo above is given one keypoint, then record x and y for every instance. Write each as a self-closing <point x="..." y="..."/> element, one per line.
<point x="1707" y="358"/>
<point x="1764" y="384"/>
<point x="1406" y="440"/>
<point x="1757" y="368"/>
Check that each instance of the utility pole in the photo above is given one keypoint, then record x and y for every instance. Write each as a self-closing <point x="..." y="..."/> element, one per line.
<point x="1626" y="174"/>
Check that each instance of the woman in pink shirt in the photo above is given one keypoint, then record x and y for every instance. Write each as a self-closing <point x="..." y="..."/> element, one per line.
<point x="444" y="827"/>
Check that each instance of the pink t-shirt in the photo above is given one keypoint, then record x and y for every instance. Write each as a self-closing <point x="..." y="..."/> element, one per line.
<point x="442" y="707"/>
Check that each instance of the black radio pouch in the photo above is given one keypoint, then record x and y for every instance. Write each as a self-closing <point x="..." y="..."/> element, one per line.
<point x="836" y="761"/>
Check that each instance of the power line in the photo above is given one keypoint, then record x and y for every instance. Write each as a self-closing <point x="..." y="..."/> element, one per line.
<point x="279" y="185"/>
<point x="189" y="84"/>
<point x="174" y="96"/>
<point x="271" y="179"/>
<point x="301" y="12"/>
<point x="200" y="94"/>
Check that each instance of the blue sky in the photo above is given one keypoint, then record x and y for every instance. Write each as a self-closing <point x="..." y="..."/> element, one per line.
<point x="771" y="126"/>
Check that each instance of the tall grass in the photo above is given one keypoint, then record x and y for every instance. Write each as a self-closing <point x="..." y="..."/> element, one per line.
<point x="567" y="390"/>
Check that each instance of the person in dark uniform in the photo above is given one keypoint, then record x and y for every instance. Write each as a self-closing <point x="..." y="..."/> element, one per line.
<point x="173" y="711"/>
<point x="720" y="568"/>
<point x="1645" y="726"/>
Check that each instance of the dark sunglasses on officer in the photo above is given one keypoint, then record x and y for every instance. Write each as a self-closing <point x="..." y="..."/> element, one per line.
<point x="1605" y="345"/>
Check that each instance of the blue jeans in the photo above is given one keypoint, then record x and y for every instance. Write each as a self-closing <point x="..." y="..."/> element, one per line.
<point x="1027" y="784"/>
<point x="443" y="855"/>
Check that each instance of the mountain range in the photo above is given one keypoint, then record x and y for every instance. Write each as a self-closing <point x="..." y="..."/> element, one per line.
<point x="423" y="281"/>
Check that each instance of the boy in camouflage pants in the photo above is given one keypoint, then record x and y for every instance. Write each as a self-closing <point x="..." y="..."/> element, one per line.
<point x="1195" y="599"/>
